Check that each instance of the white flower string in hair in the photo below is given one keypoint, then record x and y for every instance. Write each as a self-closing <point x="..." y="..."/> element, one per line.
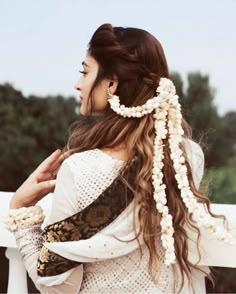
<point x="168" y="120"/>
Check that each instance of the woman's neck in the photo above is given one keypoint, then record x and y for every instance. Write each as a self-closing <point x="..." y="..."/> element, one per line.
<point x="119" y="152"/>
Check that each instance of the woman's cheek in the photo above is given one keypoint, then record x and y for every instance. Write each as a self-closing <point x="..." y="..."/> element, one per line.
<point x="101" y="104"/>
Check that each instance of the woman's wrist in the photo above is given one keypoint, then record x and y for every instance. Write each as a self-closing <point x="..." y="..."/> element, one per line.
<point x="14" y="204"/>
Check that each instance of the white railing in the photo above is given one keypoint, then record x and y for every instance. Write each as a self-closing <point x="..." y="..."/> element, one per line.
<point x="17" y="282"/>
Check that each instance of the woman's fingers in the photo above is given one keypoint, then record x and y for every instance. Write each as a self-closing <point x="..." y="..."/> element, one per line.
<point x="53" y="162"/>
<point x="56" y="165"/>
<point x="44" y="188"/>
<point x="66" y="154"/>
<point x="48" y="169"/>
<point x="46" y="176"/>
<point x="48" y="162"/>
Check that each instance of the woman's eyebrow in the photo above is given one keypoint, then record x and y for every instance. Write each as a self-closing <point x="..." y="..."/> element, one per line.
<point x="85" y="64"/>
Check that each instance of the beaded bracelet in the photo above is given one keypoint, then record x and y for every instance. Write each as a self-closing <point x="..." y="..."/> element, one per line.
<point x="24" y="217"/>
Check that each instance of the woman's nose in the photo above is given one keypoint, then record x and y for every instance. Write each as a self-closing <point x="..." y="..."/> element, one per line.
<point x="77" y="86"/>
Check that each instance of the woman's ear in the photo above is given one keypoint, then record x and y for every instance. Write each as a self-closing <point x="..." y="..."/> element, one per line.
<point x="113" y="86"/>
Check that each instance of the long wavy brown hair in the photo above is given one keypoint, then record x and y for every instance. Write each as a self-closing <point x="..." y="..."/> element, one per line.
<point x="137" y="59"/>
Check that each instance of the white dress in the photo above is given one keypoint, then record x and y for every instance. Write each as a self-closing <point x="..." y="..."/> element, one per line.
<point x="109" y="266"/>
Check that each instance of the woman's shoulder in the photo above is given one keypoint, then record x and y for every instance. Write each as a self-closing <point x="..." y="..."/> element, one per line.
<point x="90" y="172"/>
<point x="93" y="157"/>
<point x="92" y="163"/>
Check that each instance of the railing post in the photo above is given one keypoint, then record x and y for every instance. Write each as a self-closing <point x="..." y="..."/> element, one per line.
<point x="17" y="279"/>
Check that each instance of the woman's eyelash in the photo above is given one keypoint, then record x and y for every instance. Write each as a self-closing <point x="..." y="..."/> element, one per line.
<point x="82" y="72"/>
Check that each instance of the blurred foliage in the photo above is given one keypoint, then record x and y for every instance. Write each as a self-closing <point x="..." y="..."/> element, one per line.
<point x="217" y="134"/>
<point x="222" y="184"/>
<point x="30" y="129"/>
<point x="33" y="127"/>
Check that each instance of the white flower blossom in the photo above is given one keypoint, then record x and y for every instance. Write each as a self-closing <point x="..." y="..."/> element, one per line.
<point x="168" y="121"/>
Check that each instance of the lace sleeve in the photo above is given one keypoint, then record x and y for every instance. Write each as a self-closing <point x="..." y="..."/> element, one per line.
<point x="209" y="245"/>
<point x="30" y="243"/>
<point x="81" y="179"/>
<point x="195" y="156"/>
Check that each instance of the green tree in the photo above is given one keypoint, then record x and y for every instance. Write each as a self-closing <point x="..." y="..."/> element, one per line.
<point x="213" y="131"/>
<point x="179" y="85"/>
<point x="229" y="122"/>
<point x="30" y="129"/>
<point x="222" y="184"/>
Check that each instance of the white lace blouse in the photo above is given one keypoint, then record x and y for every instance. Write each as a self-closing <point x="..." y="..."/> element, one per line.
<point x="109" y="266"/>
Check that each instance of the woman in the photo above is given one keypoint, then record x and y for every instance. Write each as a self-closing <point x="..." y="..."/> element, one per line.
<point x="127" y="208"/>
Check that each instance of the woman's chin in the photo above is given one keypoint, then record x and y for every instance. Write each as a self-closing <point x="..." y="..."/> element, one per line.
<point x="82" y="111"/>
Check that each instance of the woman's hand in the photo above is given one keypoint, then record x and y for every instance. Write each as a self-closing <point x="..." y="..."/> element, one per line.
<point x="39" y="183"/>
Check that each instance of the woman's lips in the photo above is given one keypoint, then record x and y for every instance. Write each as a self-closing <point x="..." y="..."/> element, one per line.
<point x="81" y="98"/>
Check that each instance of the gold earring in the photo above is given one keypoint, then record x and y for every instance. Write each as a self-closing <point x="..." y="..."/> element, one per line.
<point x="109" y="95"/>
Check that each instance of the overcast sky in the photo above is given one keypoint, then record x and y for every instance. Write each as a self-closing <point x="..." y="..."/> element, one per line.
<point x="44" y="42"/>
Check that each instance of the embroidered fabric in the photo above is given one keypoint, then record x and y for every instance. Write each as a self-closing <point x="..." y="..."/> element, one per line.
<point x="129" y="273"/>
<point x="84" y="224"/>
<point x="82" y="178"/>
<point x="97" y="169"/>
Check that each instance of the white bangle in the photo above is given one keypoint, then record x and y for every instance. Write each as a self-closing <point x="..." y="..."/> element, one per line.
<point x="24" y="217"/>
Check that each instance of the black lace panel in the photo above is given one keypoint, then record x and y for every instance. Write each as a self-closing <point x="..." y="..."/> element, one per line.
<point x="83" y="225"/>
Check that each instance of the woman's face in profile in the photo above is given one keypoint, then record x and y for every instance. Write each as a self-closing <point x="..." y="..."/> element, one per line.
<point x="85" y="83"/>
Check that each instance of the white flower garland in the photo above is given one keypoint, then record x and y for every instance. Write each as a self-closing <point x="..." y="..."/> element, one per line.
<point x="168" y="111"/>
